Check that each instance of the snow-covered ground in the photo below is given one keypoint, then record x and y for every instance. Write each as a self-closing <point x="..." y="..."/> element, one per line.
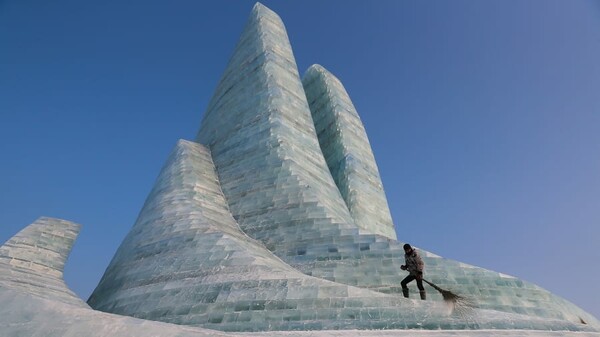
<point x="424" y="333"/>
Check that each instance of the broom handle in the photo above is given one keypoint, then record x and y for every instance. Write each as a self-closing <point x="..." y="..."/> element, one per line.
<point x="433" y="285"/>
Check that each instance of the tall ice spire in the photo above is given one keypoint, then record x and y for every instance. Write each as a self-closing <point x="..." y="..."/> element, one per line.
<point x="347" y="150"/>
<point x="260" y="131"/>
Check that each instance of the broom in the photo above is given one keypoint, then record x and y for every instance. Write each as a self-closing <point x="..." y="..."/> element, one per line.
<point x="446" y="294"/>
<point x="458" y="303"/>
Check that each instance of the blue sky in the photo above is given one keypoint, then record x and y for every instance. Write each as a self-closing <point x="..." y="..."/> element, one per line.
<point x="484" y="117"/>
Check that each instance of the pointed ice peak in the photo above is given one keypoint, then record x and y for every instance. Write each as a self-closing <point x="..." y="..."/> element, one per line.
<point x="316" y="68"/>
<point x="187" y="153"/>
<point x="316" y="71"/>
<point x="261" y="68"/>
<point x="183" y="143"/>
<point x="261" y="9"/>
<point x="187" y="144"/>
<point x="181" y="156"/>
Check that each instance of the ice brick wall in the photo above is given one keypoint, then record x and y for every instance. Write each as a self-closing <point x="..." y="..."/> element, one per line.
<point x="185" y="261"/>
<point x="373" y="262"/>
<point x="34" y="259"/>
<point x="346" y="148"/>
<point x="183" y="234"/>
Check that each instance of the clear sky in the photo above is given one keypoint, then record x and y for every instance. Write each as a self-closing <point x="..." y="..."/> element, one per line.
<point x="484" y="117"/>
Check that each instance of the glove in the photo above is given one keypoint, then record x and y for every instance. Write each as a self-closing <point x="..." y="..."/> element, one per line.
<point x="419" y="275"/>
<point x="403" y="267"/>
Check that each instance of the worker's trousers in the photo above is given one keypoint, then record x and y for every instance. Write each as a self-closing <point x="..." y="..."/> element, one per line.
<point x="409" y="279"/>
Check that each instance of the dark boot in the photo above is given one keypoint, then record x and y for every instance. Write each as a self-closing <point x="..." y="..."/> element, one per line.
<point x="423" y="296"/>
<point x="405" y="292"/>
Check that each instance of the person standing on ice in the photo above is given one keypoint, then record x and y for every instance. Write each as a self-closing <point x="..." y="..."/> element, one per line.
<point x="414" y="265"/>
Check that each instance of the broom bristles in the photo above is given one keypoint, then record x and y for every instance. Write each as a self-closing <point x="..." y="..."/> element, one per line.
<point x="457" y="303"/>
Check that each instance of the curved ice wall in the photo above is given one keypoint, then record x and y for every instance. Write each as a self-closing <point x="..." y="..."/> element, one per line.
<point x="34" y="259"/>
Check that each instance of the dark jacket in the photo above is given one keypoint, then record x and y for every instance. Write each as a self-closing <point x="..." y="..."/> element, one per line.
<point x="414" y="263"/>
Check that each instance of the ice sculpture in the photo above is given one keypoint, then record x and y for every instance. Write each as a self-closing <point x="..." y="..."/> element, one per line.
<point x="279" y="221"/>
<point x="273" y="218"/>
